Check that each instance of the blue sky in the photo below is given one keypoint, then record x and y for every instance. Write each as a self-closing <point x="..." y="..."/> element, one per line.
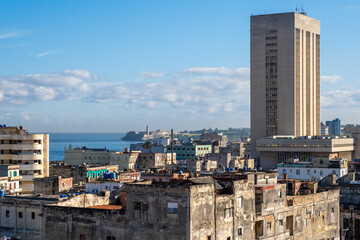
<point x="102" y="66"/>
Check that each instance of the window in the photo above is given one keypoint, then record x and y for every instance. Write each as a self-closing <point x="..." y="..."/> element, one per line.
<point x="141" y="206"/>
<point x="279" y="194"/>
<point x="110" y="238"/>
<point x="270" y="31"/>
<point x="32" y="215"/>
<point x="308" y="172"/>
<point x="82" y="236"/>
<point x="20" y="214"/>
<point x="290" y="170"/>
<point x="321" y="172"/>
<point x="281" y="222"/>
<point x="268" y="225"/>
<point x="172" y="208"/>
<point x="332" y="210"/>
<point x="297" y="171"/>
<point x="227" y="212"/>
<point x="229" y="238"/>
<point x="240" y="231"/>
<point x="240" y="201"/>
<point x="7" y="213"/>
<point x="333" y="172"/>
<point x="209" y="238"/>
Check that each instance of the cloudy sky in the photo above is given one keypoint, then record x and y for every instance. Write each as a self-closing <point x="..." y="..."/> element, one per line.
<point x="103" y="66"/>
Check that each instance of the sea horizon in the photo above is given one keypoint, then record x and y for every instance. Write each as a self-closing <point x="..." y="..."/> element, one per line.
<point x="111" y="141"/>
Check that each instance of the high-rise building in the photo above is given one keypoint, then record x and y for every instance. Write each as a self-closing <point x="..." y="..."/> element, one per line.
<point x="29" y="151"/>
<point x="334" y="126"/>
<point x="285" y="76"/>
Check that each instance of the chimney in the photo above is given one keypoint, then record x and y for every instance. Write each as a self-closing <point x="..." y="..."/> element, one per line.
<point x="172" y="146"/>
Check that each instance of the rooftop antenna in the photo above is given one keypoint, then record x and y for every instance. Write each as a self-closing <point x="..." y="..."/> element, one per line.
<point x="296" y="9"/>
<point x="302" y="10"/>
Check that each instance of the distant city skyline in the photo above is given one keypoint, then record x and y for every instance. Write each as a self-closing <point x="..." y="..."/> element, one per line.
<point x="121" y="65"/>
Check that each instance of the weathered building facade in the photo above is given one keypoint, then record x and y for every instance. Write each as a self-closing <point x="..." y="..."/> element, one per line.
<point x="230" y="206"/>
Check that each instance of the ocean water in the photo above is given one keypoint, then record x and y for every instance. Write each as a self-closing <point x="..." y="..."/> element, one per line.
<point x="58" y="141"/>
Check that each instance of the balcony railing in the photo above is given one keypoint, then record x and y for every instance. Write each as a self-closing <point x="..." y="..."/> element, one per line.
<point x="27" y="146"/>
<point x="15" y="178"/>
<point x="28" y="167"/>
<point x="30" y="156"/>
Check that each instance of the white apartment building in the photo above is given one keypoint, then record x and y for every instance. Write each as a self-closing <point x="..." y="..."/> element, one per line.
<point x="315" y="170"/>
<point x="29" y="151"/>
<point x="99" y="186"/>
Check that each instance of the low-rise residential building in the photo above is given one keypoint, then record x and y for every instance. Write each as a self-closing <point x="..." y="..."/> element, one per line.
<point x="10" y="178"/>
<point x="236" y="149"/>
<point x="201" y="164"/>
<point x="154" y="160"/>
<point x="164" y="176"/>
<point x="91" y="156"/>
<point x="190" y="150"/>
<point x="278" y="149"/>
<point x="349" y="186"/>
<point x="315" y="170"/>
<point x="81" y="173"/>
<point x="22" y="216"/>
<point x="125" y="160"/>
<point x="242" y="163"/>
<point x="52" y="185"/>
<point x="157" y="148"/>
<point x="103" y="185"/>
<point x="222" y="159"/>
<point x="249" y="205"/>
<point x="213" y="137"/>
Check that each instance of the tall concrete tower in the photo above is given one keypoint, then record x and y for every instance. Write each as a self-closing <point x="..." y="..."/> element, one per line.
<point x="285" y="76"/>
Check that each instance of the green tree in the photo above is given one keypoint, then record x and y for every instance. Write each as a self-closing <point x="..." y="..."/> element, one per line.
<point x="148" y="146"/>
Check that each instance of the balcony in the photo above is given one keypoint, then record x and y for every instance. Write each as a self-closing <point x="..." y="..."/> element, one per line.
<point x="30" y="177"/>
<point x="16" y="178"/>
<point x="6" y="156"/>
<point x="29" y="167"/>
<point x="26" y="146"/>
<point x="5" y="146"/>
<point x="29" y="157"/>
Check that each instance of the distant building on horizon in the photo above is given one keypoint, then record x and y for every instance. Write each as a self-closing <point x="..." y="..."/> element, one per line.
<point x="285" y="76"/>
<point x="334" y="126"/>
<point x="324" y="129"/>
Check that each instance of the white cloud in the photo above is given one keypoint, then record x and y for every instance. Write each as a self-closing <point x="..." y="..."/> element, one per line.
<point x="330" y="79"/>
<point x="343" y="98"/>
<point x="218" y="71"/>
<point x="46" y="53"/>
<point x="209" y="90"/>
<point x="66" y="85"/>
<point x="153" y="74"/>
<point x="9" y="35"/>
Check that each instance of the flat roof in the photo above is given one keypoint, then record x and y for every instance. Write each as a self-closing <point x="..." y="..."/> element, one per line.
<point x="107" y="207"/>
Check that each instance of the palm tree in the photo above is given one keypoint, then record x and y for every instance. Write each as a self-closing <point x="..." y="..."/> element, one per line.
<point x="147" y="145"/>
